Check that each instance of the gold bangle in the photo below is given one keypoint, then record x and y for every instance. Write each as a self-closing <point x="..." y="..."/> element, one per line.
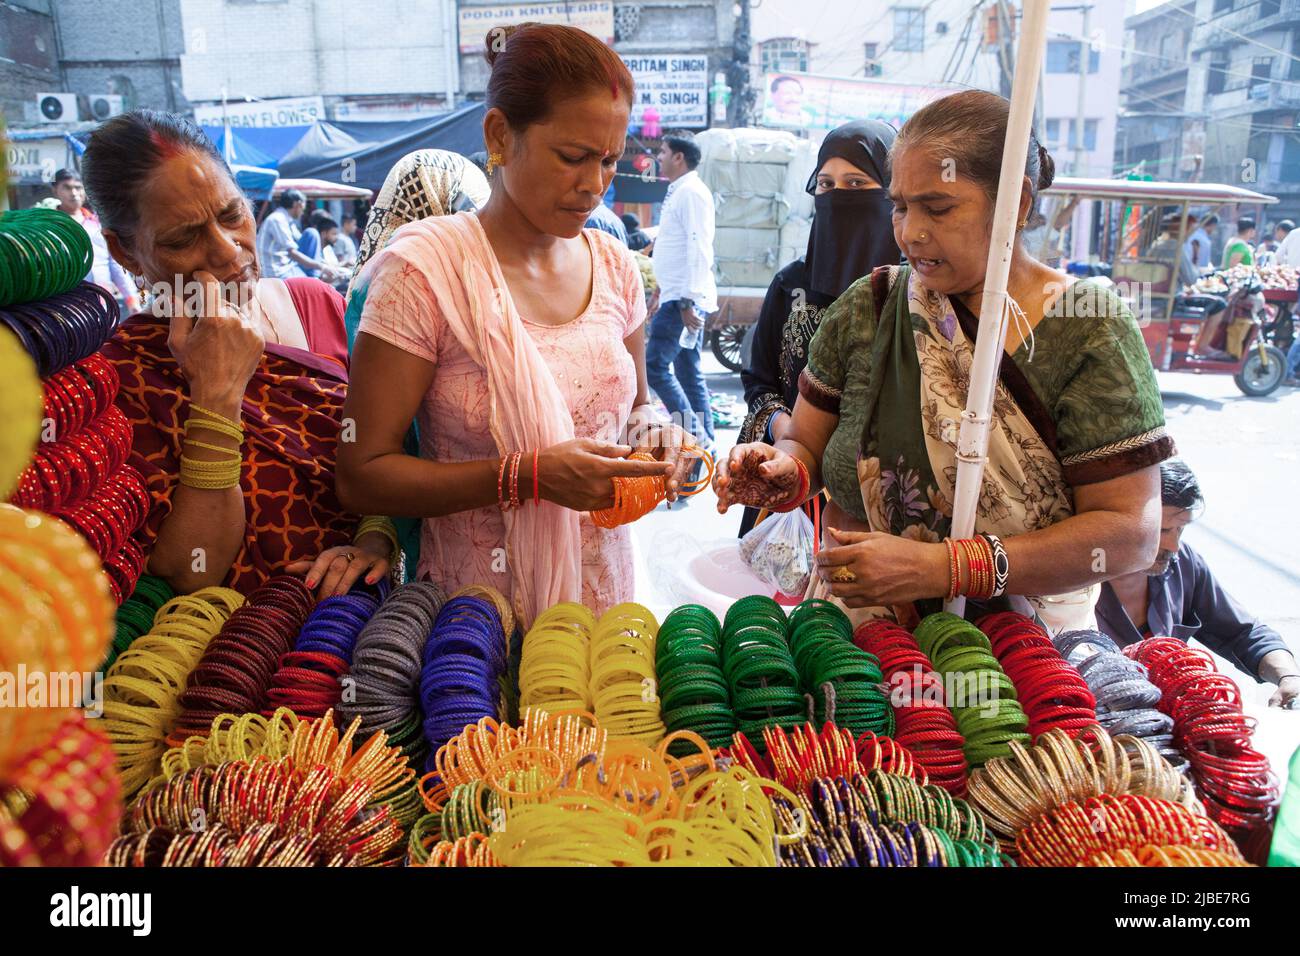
<point x="211" y="447"/>
<point x="216" y="416"/>
<point x="382" y="525"/>
<point x="210" y="475"/>
<point x="226" y="428"/>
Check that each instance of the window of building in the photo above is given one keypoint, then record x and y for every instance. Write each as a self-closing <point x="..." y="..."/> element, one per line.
<point x="1269" y="8"/>
<point x="909" y="29"/>
<point x="1261" y="70"/>
<point x="870" y="54"/>
<point x="783" y="55"/>
<point x="1063" y="57"/>
<point x="1222" y="6"/>
<point x="1053" y="130"/>
<point x="1218" y="74"/>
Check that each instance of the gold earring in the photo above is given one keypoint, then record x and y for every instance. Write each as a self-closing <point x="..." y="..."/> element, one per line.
<point x="1024" y="222"/>
<point x="494" y="160"/>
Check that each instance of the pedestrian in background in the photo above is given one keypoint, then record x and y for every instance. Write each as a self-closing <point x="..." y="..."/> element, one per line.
<point x="1200" y="243"/>
<point x="104" y="271"/>
<point x="683" y="263"/>
<point x="637" y="240"/>
<point x="317" y="244"/>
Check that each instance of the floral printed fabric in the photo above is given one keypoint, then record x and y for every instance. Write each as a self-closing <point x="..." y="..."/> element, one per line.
<point x="901" y="383"/>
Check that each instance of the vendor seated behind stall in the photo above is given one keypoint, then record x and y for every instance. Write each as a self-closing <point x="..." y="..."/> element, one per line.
<point x="1178" y="596"/>
<point x="233" y="381"/>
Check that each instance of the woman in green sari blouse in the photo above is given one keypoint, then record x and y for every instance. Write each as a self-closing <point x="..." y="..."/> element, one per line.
<point x="1071" y="487"/>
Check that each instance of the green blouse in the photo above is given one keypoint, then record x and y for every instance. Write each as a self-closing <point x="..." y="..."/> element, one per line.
<point x="1090" y="371"/>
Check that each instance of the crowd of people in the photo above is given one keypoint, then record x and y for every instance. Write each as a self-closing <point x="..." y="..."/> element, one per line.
<point x="489" y="374"/>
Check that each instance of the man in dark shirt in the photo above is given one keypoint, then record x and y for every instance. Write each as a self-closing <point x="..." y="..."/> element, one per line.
<point x="1179" y="597"/>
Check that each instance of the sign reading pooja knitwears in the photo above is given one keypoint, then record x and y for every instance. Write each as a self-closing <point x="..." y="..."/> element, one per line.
<point x="676" y="86"/>
<point x="594" y="16"/>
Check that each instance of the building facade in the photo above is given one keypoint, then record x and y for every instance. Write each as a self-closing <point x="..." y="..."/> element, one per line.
<point x="675" y="47"/>
<point x="1156" y="135"/>
<point x="384" y="59"/>
<point x="1244" y="84"/>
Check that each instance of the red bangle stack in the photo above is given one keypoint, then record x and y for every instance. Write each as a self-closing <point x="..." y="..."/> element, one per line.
<point x="976" y="555"/>
<point x="1050" y="691"/>
<point x="237" y="665"/>
<point x="79" y="472"/>
<point x="923" y="722"/>
<point x="1232" y="778"/>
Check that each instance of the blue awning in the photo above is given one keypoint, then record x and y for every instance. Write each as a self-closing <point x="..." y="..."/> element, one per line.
<point x="257" y="146"/>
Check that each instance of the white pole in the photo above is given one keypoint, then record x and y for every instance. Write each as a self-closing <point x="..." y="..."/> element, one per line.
<point x="972" y="439"/>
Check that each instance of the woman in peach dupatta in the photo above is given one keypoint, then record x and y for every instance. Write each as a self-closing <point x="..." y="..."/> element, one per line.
<point x="514" y="330"/>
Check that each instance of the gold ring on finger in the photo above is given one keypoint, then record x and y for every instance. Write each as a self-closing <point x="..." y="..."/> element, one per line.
<point x="843" y="575"/>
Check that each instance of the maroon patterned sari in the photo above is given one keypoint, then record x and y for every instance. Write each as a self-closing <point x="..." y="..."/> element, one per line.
<point x="291" y="414"/>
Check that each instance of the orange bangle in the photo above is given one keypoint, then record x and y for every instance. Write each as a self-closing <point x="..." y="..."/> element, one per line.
<point x="954" y="569"/>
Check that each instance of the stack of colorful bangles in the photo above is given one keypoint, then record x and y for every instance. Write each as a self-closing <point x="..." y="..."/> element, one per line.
<point x="843" y="680"/>
<point x="692" y="687"/>
<point x="882" y="820"/>
<point x="143" y="687"/>
<point x="1231" y="776"/>
<point x="135" y="615"/>
<point x="1127" y="701"/>
<point x="58" y="793"/>
<point x="623" y="685"/>
<point x="79" y="472"/>
<point x="1051" y="693"/>
<point x="386" y="665"/>
<point x="573" y="662"/>
<point x="760" y="670"/>
<point x="1062" y="768"/>
<point x="979" y="693"/>
<point x="308" y="743"/>
<point x="309" y="679"/>
<point x="1075" y="833"/>
<point x="464" y="659"/>
<point x="235" y="671"/>
<point x="558" y="791"/>
<point x="923" y="723"/>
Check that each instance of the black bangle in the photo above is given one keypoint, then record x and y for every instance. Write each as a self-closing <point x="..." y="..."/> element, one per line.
<point x="1001" y="566"/>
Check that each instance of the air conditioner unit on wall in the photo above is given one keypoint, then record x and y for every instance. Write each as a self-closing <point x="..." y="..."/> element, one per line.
<point x="57" y="107"/>
<point x="104" y="105"/>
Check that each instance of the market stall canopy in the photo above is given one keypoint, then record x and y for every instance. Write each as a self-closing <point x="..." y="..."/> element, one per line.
<point x="1156" y="191"/>
<point x="255" y="182"/>
<point x="362" y="152"/>
<point x="256" y="146"/>
<point x="319" y="189"/>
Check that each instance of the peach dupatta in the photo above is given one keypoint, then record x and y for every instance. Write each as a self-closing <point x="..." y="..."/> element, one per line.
<point x="526" y="408"/>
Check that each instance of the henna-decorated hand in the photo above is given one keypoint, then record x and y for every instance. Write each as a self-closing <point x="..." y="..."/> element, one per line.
<point x="756" y="475"/>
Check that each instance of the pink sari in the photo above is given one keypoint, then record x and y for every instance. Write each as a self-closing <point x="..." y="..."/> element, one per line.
<point x="526" y="409"/>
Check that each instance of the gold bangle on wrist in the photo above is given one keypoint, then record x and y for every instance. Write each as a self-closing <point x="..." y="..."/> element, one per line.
<point x="382" y="525"/>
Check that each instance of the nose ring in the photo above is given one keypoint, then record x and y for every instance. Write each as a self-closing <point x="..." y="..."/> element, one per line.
<point x="921" y="237"/>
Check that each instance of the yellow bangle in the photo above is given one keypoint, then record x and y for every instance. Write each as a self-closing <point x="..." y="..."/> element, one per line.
<point x="210" y="474"/>
<point x="384" y="526"/>
<point x="216" y="416"/>
<point x="221" y="428"/>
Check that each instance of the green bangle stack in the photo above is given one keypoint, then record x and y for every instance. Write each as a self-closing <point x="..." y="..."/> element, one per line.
<point x="845" y="682"/>
<point x="760" y="669"/>
<point x="978" y="692"/>
<point x="135" y="615"/>
<point x="693" y="694"/>
<point x="43" y="252"/>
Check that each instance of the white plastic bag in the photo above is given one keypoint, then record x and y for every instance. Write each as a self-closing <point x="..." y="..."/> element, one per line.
<point x="780" y="551"/>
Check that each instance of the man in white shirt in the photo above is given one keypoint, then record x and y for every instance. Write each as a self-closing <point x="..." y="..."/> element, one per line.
<point x="1288" y="248"/>
<point x="683" y="265"/>
<point x="278" y="236"/>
